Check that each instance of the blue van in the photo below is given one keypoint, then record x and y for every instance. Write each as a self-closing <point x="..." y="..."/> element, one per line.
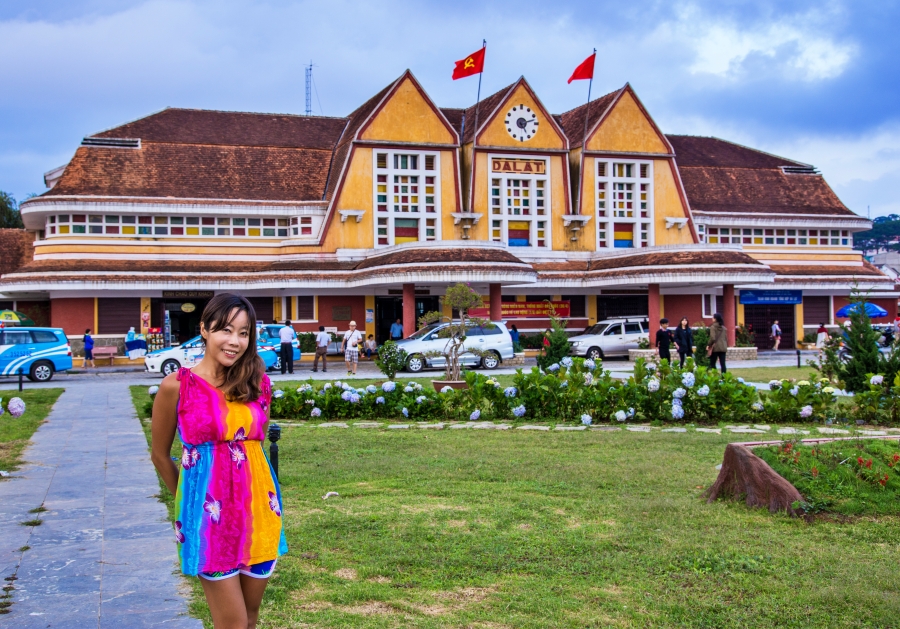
<point x="38" y="352"/>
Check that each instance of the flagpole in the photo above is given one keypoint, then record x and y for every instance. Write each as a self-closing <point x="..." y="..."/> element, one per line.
<point x="474" y="136"/>
<point x="587" y="114"/>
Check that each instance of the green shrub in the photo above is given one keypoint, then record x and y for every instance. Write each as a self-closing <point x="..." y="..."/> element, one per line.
<point x="744" y="336"/>
<point x="559" y="343"/>
<point x="701" y="340"/>
<point x="390" y="359"/>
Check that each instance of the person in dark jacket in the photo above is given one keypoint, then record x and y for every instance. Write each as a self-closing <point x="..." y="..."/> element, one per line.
<point x="684" y="339"/>
<point x="88" y="348"/>
<point x="664" y="340"/>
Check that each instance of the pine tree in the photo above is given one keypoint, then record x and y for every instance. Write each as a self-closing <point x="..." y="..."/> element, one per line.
<point x="862" y="344"/>
<point x="559" y="344"/>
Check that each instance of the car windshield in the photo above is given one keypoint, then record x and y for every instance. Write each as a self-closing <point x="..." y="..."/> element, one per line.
<point x="428" y="329"/>
<point x="596" y="329"/>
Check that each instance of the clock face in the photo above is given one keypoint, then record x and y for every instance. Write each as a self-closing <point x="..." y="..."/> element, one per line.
<point x="521" y="123"/>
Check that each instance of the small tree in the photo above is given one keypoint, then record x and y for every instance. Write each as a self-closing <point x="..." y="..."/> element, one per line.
<point x="559" y="343"/>
<point x="862" y="344"/>
<point x="391" y="358"/>
<point x="10" y="218"/>
<point x="461" y="298"/>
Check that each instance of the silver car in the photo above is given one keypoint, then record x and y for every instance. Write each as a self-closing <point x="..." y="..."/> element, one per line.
<point x="612" y="337"/>
<point x="494" y="341"/>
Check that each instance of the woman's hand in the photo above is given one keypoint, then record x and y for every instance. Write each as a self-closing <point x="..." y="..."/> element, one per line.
<point x="162" y="431"/>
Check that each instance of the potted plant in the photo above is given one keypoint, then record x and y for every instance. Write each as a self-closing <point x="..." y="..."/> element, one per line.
<point x="460" y="298"/>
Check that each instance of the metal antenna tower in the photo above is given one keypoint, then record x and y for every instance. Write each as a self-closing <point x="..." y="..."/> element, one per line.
<point x="308" y="70"/>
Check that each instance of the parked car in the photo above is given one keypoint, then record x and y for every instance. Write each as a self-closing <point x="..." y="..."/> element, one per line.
<point x="610" y="337"/>
<point x="269" y="334"/>
<point x="38" y="352"/>
<point x="188" y="354"/>
<point x="494" y="339"/>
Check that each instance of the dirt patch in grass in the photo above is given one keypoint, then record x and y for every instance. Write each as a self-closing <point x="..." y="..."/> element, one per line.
<point x="378" y="579"/>
<point x="447" y="602"/>
<point x="346" y="573"/>
<point x="370" y="608"/>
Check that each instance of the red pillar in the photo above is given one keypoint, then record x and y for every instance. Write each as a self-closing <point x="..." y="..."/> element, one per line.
<point x="730" y="314"/>
<point x="496" y="301"/>
<point x="409" y="309"/>
<point x="653" y="305"/>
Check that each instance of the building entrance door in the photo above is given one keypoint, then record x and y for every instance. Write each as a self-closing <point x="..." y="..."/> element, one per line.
<point x="389" y="309"/>
<point x="759" y="318"/>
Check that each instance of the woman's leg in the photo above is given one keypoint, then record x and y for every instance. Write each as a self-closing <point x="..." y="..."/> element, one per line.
<point x="227" y="602"/>
<point x="253" y="590"/>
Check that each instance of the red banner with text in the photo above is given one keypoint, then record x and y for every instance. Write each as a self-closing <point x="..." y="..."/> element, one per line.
<point x="526" y="310"/>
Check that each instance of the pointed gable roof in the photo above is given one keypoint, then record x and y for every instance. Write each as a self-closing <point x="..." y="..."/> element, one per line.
<point x="491" y="106"/>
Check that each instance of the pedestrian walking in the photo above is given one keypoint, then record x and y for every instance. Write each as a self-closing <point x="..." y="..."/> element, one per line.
<point x="350" y="347"/>
<point x="776" y="334"/>
<point x="664" y="340"/>
<point x="88" y="349"/>
<point x="397" y="330"/>
<point x="228" y="509"/>
<point x="323" y="338"/>
<point x="718" y="342"/>
<point x="684" y="340"/>
<point x="287" y="336"/>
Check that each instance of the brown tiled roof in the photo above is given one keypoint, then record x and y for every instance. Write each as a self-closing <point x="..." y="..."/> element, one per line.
<point x="181" y="266"/>
<point x="197" y="171"/>
<point x="724" y="177"/>
<point x="230" y="128"/>
<point x="572" y="121"/>
<point x="676" y="258"/>
<point x="449" y="256"/>
<point x="486" y="107"/>
<point x="16" y="249"/>
<point x="802" y="272"/>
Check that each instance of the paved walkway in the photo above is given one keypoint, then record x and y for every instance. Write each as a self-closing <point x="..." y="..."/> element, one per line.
<point x="104" y="555"/>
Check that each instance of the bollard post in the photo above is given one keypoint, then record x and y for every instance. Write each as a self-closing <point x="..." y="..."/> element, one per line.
<point x="798" y="359"/>
<point x="274" y="436"/>
<point x="21" y="373"/>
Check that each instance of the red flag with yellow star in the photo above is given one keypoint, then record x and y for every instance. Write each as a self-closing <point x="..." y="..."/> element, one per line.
<point x="473" y="64"/>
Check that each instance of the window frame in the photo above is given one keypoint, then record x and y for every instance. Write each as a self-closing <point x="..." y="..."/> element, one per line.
<point x="605" y="219"/>
<point x="427" y="221"/>
<point x="533" y="219"/>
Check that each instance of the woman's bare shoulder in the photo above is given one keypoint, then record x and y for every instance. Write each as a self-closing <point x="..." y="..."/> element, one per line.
<point x="170" y="384"/>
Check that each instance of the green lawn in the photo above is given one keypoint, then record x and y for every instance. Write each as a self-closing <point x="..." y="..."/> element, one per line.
<point x="465" y="528"/>
<point x="16" y="431"/>
<point x="764" y="374"/>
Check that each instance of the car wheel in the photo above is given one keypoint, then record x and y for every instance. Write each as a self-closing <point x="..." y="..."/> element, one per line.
<point x="594" y="353"/>
<point x="169" y="367"/>
<point x="41" y="371"/>
<point x="277" y="365"/>
<point x="490" y="360"/>
<point x="415" y="364"/>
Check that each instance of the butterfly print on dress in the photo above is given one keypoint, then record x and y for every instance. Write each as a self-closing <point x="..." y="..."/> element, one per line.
<point x="179" y="536"/>
<point x="189" y="457"/>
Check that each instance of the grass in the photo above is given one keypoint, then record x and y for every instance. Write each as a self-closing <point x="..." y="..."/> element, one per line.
<point x="764" y="374"/>
<point x="15" y="432"/>
<point x="464" y="528"/>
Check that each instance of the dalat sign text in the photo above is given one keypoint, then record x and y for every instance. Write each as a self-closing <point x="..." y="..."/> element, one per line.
<point x="531" y="166"/>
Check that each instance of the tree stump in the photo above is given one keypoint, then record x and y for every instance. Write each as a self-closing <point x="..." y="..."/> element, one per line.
<point x="744" y="474"/>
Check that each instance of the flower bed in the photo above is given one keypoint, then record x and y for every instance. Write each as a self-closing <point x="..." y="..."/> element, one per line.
<point x="851" y="477"/>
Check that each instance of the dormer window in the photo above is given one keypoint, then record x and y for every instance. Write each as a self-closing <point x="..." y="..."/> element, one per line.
<point x="407" y="197"/>
<point x="624" y="203"/>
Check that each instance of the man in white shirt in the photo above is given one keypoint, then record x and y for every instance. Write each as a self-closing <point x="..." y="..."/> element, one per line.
<point x="287" y="335"/>
<point x="350" y="347"/>
<point x="323" y="338"/>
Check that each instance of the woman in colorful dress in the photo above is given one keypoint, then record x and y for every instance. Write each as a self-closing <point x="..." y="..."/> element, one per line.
<point x="228" y="522"/>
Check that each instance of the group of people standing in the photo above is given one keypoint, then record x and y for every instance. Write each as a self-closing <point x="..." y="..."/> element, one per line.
<point x="683" y="339"/>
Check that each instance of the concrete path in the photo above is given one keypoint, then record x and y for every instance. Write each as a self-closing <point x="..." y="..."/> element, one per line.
<point x="104" y="555"/>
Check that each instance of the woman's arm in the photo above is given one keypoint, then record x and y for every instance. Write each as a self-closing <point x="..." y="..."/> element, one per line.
<point x="162" y="431"/>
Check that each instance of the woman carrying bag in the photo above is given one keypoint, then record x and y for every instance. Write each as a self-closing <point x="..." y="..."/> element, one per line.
<point x="718" y="342"/>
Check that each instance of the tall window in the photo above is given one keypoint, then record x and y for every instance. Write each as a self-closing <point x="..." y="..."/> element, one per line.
<point x="520" y="201"/>
<point x="624" y="203"/>
<point x="407" y="197"/>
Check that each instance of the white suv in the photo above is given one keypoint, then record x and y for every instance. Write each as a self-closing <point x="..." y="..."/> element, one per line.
<point x="612" y="337"/>
<point x="494" y="341"/>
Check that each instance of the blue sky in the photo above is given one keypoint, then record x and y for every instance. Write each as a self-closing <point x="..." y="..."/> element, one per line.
<point x="813" y="81"/>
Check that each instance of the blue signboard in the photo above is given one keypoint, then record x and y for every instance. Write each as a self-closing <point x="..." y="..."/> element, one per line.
<point x="771" y="297"/>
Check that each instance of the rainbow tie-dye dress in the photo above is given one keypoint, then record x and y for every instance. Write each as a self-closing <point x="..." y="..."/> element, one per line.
<point x="228" y="503"/>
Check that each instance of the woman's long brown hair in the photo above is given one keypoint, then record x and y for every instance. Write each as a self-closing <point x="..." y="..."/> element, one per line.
<point x="243" y="378"/>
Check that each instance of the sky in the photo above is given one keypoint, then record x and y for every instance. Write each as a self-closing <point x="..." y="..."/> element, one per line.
<point x="813" y="81"/>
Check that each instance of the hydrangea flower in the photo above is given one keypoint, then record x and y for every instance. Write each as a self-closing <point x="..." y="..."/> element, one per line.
<point x="354" y="398"/>
<point x="326" y="386"/>
<point x="688" y="380"/>
<point x="828" y="390"/>
<point x="346" y="387"/>
<point x="278" y="394"/>
<point x="676" y="401"/>
<point x="153" y="390"/>
<point x="420" y="399"/>
<point x="824" y="380"/>
<point x="519" y="411"/>
<point x="311" y="402"/>
<point x="408" y="389"/>
<point x="510" y="391"/>
<point x="371" y="388"/>
<point x="1" y="407"/>
<point x="315" y="412"/>
<point x="492" y="382"/>
<point x="741" y="380"/>
<point x="703" y="391"/>
<point x="405" y="412"/>
<point x="590" y="364"/>
<point x="794" y="391"/>
<point x="475" y="415"/>
<point x="563" y="384"/>
<point x="566" y="362"/>
<point x="379" y="400"/>
<point x="345" y="396"/>
<point x="631" y="411"/>
<point x="876" y="380"/>
<point x="588" y="379"/>
<point x="304" y="388"/>
<point x="677" y="412"/>
<point x="806" y="411"/>
<point x="803" y="383"/>
<point x="388" y="386"/>
<point x="447" y="390"/>
<point x="417" y="386"/>
<point x="553" y="368"/>
<point x="651" y="367"/>
<point x="653" y="385"/>
<point x="774" y="384"/>
<point x="757" y="406"/>
<point x="16" y="407"/>
<point x="338" y="384"/>
<point x="621" y="416"/>
<point x="678" y="393"/>
<point x="586" y="419"/>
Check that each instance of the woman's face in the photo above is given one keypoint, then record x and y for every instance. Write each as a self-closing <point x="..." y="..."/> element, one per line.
<point x="228" y="344"/>
<point x="684" y="323"/>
